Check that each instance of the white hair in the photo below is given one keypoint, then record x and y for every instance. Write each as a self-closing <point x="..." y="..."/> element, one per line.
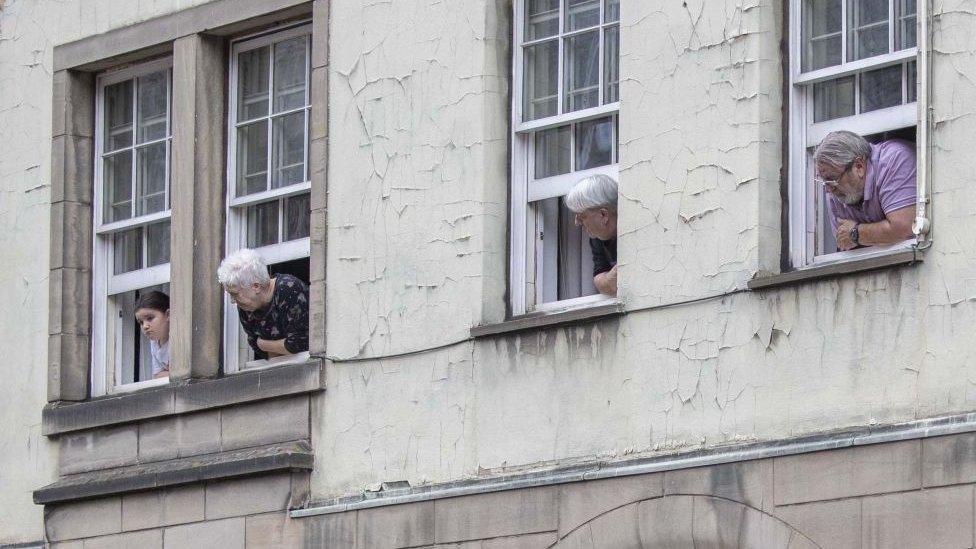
<point x="596" y="191"/>
<point x="243" y="268"/>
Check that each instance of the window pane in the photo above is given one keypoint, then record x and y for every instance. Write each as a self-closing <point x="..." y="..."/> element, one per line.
<point x="594" y="143"/>
<point x="581" y="14"/>
<point x="611" y="64"/>
<point x="552" y="151"/>
<point x="881" y="88"/>
<point x="833" y="99"/>
<point x="541" y="19"/>
<point x="906" y="28"/>
<point x="117" y="183"/>
<point x="252" y="158"/>
<point x="151" y="179"/>
<point x="127" y="250"/>
<point x="288" y="150"/>
<point x="297" y="211"/>
<point x="118" y="115"/>
<point x="611" y="11"/>
<point x="912" y="83"/>
<point x="541" y="82"/>
<point x="289" y="74"/>
<point x="253" y="69"/>
<point x="152" y="106"/>
<point x="582" y="71"/>
<point x="262" y="224"/>
<point x="157" y="243"/>
<point x="822" y="28"/>
<point x="868" y="20"/>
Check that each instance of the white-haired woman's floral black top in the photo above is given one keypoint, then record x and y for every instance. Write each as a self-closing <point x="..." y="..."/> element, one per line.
<point x="285" y="318"/>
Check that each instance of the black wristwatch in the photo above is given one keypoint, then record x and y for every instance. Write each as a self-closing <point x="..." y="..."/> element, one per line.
<point x="855" y="234"/>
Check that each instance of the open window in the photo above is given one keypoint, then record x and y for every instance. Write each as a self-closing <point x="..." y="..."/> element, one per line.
<point x="132" y="217"/>
<point x="564" y="128"/>
<point x="268" y="187"/>
<point x="852" y="67"/>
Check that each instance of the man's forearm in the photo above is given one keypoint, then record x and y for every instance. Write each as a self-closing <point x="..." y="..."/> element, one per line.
<point x="605" y="284"/>
<point x="883" y="232"/>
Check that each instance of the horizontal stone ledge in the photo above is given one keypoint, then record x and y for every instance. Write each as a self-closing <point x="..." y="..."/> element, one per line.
<point x="536" y="320"/>
<point x="178" y="398"/>
<point x="292" y="456"/>
<point x="810" y="274"/>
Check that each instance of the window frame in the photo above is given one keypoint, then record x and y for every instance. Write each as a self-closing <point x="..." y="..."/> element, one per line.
<point x="804" y="197"/>
<point x="525" y="289"/>
<point x="235" y="236"/>
<point x="105" y="283"/>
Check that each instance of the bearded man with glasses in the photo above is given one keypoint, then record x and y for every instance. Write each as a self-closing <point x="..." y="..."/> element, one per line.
<point x="870" y="188"/>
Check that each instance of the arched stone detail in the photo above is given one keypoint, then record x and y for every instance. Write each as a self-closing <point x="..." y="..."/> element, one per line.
<point x="685" y="521"/>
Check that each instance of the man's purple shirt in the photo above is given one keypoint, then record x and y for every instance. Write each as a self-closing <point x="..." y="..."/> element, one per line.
<point x="889" y="184"/>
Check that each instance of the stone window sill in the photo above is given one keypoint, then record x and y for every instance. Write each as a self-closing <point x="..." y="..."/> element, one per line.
<point x="895" y="258"/>
<point x="178" y="398"/>
<point x="543" y="319"/>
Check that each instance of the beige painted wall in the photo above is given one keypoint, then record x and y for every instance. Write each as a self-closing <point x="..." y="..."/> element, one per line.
<point x="700" y="173"/>
<point x="29" y="29"/>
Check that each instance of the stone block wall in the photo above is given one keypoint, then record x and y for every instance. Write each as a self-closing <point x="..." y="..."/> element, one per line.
<point x="910" y="493"/>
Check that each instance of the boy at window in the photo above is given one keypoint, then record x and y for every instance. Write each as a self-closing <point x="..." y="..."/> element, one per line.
<point x="871" y="188"/>
<point x="594" y="201"/>
<point x="273" y="311"/>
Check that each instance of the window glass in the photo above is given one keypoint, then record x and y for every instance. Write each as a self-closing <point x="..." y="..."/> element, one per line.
<point x="612" y="11"/>
<point x="289" y="74"/>
<point x="594" y="143"/>
<point x="581" y="14"/>
<point x="881" y="88"/>
<point x="118" y="116"/>
<point x="153" y="103"/>
<point x="822" y="40"/>
<point x="541" y="81"/>
<point x="582" y="71"/>
<point x="252" y="83"/>
<point x="907" y="31"/>
<point x="833" y="99"/>
<point x="541" y="19"/>
<point x="252" y="158"/>
<point x="552" y="151"/>
<point x="868" y="23"/>
<point x="262" y="224"/>
<point x="297" y="216"/>
<point x="611" y="64"/>
<point x="117" y="184"/>
<point x="288" y="154"/>
<point x="127" y="250"/>
<point x="157" y="243"/>
<point x="151" y="179"/>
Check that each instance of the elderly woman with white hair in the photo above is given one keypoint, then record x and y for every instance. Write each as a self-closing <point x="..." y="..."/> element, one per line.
<point x="594" y="201"/>
<point x="273" y="311"/>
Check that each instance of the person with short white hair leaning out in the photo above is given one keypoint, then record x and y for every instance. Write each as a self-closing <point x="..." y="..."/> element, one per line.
<point x="594" y="201"/>
<point x="870" y="188"/>
<point x="273" y="311"/>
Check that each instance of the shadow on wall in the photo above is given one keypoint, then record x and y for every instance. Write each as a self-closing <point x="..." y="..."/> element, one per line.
<point x="686" y="521"/>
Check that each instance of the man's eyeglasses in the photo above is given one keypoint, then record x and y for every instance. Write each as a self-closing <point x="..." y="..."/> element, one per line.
<point x="832" y="183"/>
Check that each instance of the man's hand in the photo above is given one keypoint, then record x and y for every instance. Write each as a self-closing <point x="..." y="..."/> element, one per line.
<point x="274" y="347"/>
<point x="606" y="282"/>
<point x="843" y="235"/>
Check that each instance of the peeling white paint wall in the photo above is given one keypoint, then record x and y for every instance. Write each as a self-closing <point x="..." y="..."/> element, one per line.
<point x="29" y="30"/>
<point x="701" y="147"/>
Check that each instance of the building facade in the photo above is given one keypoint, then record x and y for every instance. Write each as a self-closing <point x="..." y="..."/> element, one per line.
<point x="748" y="386"/>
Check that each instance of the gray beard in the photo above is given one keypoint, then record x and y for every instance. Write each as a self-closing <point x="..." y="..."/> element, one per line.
<point x="853" y="199"/>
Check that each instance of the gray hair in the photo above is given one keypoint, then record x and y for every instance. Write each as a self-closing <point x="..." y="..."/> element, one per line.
<point x="596" y="191"/>
<point x="243" y="268"/>
<point x="840" y="148"/>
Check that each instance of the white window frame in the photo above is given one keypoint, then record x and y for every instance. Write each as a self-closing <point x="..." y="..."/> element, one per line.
<point x="104" y="282"/>
<point x="237" y="206"/>
<point x="526" y="251"/>
<point x="804" y="199"/>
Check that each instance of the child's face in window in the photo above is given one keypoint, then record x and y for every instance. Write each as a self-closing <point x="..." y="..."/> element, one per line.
<point x="154" y="324"/>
